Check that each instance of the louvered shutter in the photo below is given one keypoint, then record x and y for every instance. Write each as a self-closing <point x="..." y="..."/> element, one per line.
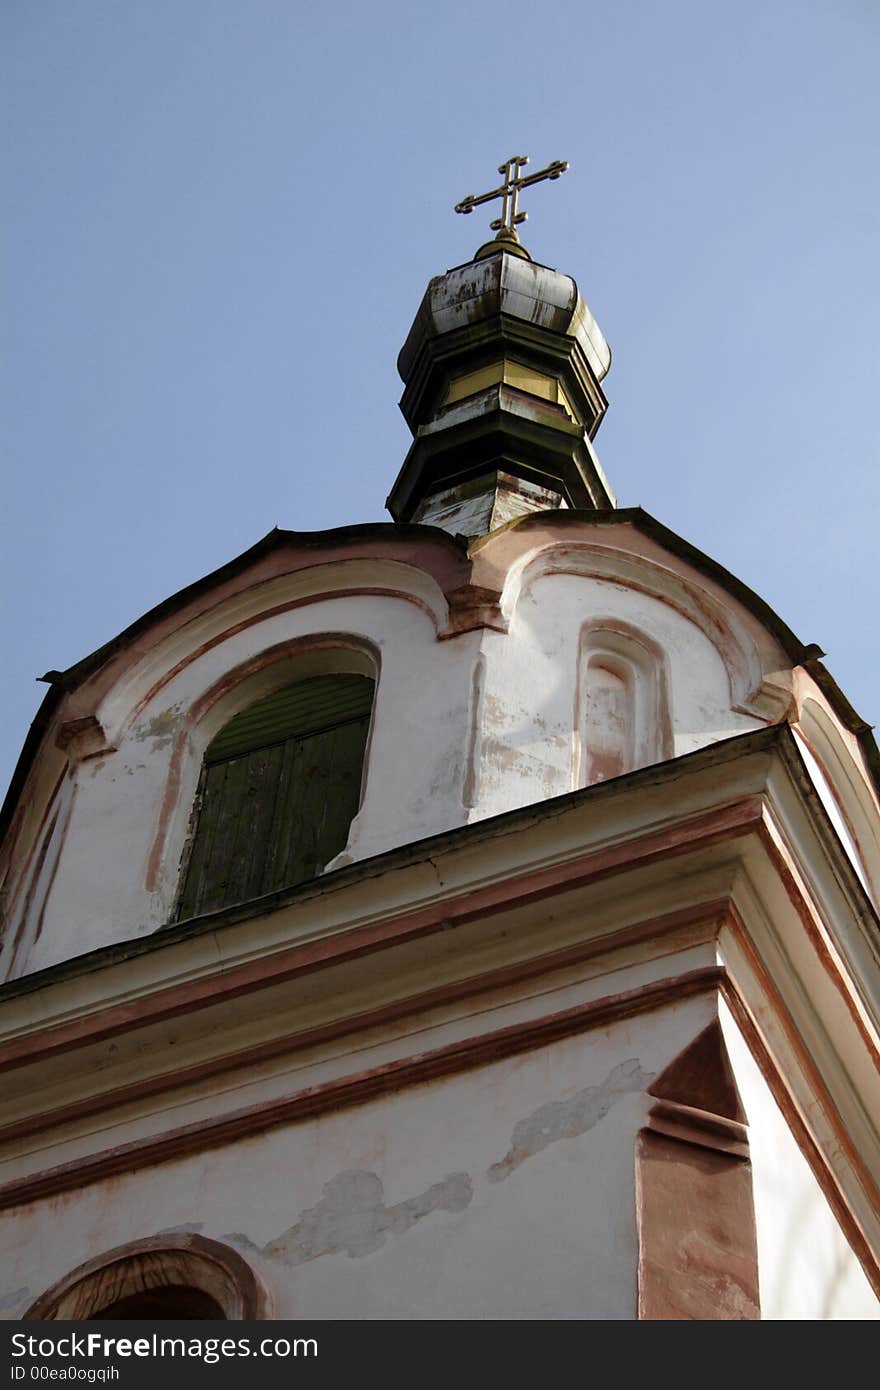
<point x="280" y="785"/>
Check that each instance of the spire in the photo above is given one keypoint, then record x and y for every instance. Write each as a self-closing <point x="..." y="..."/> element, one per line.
<point x="502" y="373"/>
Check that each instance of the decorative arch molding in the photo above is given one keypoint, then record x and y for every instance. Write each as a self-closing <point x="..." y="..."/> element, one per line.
<point x="264" y="673"/>
<point x="621" y="716"/>
<point x="751" y="692"/>
<point x="848" y="787"/>
<point x="185" y="1261"/>
<point x="118" y="705"/>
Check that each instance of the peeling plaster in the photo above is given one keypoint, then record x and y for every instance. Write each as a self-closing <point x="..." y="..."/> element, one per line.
<point x="563" y="1119"/>
<point x="352" y="1217"/>
<point x="161" y="729"/>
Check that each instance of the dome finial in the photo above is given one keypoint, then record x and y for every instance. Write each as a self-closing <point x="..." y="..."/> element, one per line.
<point x="506" y="238"/>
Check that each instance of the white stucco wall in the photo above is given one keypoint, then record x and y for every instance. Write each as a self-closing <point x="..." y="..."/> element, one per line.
<point x="463" y="728"/>
<point x="527" y="750"/>
<point x="504" y="1192"/>
<point x="413" y="788"/>
<point x="808" y="1270"/>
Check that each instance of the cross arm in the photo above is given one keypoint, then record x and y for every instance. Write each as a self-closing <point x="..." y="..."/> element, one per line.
<point x="553" y="171"/>
<point x="473" y="201"/>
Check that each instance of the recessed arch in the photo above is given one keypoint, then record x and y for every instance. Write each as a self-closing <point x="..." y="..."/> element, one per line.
<point x="842" y="783"/>
<point x="270" y="670"/>
<point x="122" y="703"/>
<point x="261" y="675"/>
<point x="622" y="718"/>
<point x="728" y="632"/>
<point x="183" y="1275"/>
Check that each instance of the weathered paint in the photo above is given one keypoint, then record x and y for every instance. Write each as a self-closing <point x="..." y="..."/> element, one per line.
<point x="478" y="1072"/>
<point x="491" y="1170"/>
<point x="417" y="1088"/>
<point x="394" y="1209"/>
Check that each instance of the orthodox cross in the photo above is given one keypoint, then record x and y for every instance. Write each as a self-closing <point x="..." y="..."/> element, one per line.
<point x="509" y="190"/>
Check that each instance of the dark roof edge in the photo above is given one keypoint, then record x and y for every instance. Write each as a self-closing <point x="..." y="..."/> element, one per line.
<point x="775" y="737"/>
<point x="40" y="722"/>
<point x="308" y="540"/>
<point x="62" y="682"/>
<point x="793" y="647"/>
<point x="863" y="731"/>
<point x="809" y="657"/>
<point x="800" y="655"/>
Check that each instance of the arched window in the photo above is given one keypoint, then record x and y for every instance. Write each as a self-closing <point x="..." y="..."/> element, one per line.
<point x="280" y="786"/>
<point x="174" y="1276"/>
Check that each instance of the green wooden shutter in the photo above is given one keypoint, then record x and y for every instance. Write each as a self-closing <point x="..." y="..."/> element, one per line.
<point x="280" y="785"/>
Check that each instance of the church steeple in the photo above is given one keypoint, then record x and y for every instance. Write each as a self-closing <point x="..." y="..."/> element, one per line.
<point x="502" y="373"/>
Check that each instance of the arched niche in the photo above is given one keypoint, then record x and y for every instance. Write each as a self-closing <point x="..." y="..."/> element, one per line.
<point x="621" y="718"/>
<point x="175" y="1276"/>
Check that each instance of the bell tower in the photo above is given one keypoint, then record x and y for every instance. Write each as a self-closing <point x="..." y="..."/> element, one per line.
<point x="476" y="919"/>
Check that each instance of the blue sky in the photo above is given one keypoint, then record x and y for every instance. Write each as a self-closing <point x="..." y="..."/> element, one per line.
<point x="222" y="214"/>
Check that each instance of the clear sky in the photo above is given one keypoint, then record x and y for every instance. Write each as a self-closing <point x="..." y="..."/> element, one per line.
<point x="222" y="214"/>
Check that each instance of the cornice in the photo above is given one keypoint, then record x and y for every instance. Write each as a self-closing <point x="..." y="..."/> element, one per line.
<point x="359" y="1088"/>
<point x="445" y="934"/>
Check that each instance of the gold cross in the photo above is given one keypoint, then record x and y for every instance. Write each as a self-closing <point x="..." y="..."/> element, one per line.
<point x="509" y="190"/>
